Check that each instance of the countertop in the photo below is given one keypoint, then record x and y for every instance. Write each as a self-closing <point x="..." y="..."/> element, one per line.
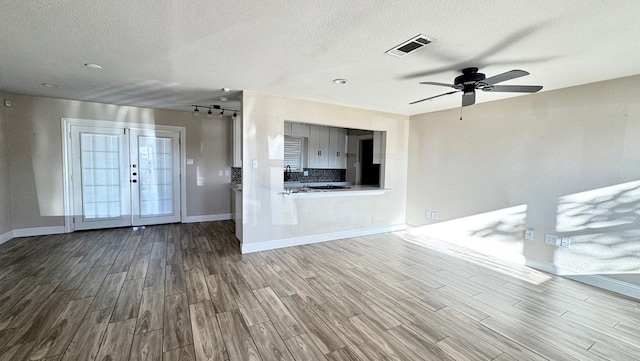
<point x="357" y="190"/>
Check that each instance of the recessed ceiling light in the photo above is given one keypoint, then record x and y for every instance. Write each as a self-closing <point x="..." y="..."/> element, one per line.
<point x="226" y="90"/>
<point x="223" y="99"/>
<point x="340" y="81"/>
<point x="48" y="85"/>
<point x="93" y="66"/>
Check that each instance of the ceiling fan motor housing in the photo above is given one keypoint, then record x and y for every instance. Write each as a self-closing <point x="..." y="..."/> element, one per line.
<point x="469" y="79"/>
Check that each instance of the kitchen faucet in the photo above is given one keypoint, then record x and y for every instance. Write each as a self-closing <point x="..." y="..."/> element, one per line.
<point x="287" y="173"/>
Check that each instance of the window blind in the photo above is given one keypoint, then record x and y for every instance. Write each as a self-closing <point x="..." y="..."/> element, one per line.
<point x="293" y="153"/>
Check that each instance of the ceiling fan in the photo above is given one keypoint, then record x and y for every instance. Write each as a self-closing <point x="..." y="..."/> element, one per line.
<point x="470" y="80"/>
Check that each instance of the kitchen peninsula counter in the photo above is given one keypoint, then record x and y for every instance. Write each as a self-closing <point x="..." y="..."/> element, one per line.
<point x="302" y="190"/>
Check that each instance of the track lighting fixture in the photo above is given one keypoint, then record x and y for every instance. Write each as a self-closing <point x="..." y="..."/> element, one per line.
<point x="196" y="110"/>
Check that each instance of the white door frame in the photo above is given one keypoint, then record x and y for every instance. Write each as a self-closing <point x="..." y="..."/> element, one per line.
<point x="67" y="123"/>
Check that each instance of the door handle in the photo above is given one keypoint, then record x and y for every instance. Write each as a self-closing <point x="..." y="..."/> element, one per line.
<point x="134" y="181"/>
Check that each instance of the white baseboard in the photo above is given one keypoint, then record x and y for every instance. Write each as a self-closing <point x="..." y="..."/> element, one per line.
<point x="599" y="281"/>
<point x="31" y="232"/>
<point x="6" y="236"/>
<point x="207" y="218"/>
<point x="38" y="231"/>
<point x="298" y="241"/>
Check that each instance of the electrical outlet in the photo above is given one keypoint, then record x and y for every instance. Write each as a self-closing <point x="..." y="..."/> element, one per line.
<point x="7" y="103"/>
<point x="529" y="234"/>
<point x="551" y="239"/>
<point x="220" y="173"/>
<point x="434" y="215"/>
<point x="565" y="242"/>
<point x="305" y="173"/>
<point x="226" y="173"/>
<point x="427" y="214"/>
<point x="255" y="163"/>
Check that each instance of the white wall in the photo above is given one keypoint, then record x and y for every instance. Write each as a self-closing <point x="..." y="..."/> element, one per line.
<point x="565" y="162"/>
<point x="268" y="216"/>
<point x="34" y="154"/>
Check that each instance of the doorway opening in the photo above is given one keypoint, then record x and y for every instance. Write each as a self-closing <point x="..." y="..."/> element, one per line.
<point x="370" y="172"/>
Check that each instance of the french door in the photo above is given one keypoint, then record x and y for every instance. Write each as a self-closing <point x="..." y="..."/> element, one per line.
<point x="124" y="176"/>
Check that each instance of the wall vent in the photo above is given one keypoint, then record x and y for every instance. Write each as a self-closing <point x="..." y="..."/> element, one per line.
<point x="409" y="46"/>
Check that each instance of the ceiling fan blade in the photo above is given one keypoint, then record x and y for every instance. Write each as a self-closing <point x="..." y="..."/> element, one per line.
<point x="438" y="84"/>
<point x="433" y="97"/>
<point x="512" y="74"/>
<point x="468" y="98"/>
<point x="513" y="88"/>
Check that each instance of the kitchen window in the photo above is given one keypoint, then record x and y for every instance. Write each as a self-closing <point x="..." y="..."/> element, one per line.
<point x="293" y="150"/>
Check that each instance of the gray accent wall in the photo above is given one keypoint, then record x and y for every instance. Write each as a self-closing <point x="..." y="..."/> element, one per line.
<point x="31" y="157"/>
<point x="5" y="195"/>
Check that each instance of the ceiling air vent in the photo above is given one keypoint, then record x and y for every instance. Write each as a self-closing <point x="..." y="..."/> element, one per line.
<point x="409" y="46"/>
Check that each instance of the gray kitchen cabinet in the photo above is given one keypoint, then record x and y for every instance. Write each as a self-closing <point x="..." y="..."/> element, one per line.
<point x="337" y="148"/>
<point x="327" y="147"/>
<point x="236" y="141"/>
<point x="318" y="146"/>
<point x="296" y="129"/>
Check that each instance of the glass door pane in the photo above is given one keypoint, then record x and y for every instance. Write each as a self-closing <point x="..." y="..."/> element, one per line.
<point x="100" y="180"/>
<point x="155" y="169"/>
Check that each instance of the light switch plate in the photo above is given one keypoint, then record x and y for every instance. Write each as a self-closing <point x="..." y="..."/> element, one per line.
<point x="529" y="234"/>
<point x="189" y="160"/>
<point x="551" y="239"/>
<point x="434" y="215"/>
<point x="305" y="173"/>
<point x="565" y="242"/>
<point x="7" y="103"/>
<point x="220" y="173"/>
<point x="427" y="214"/>
<point x="255" y="163"/>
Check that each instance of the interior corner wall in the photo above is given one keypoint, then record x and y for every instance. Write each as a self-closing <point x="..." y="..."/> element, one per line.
<point x="34" y="155"/>
<point x="563" y="162"/>
<point x="5" y="195"/>
<point x="268" y="216"/>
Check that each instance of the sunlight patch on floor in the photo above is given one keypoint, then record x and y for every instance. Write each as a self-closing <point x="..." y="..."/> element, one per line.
<point x="492" y="239"/>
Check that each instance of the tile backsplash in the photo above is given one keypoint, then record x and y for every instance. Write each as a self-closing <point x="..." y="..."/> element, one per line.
<point x="236" y="175"/>
<point x="315" y="175"/>
<point x="319" y="175"/>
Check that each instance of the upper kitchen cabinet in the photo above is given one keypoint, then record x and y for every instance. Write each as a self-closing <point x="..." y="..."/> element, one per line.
<point x="318" y="146"/>
<point x="324" y="147"/>
<point x="236" y="142"/>
<point x="296" y="129"/>
<point x="327" y="147"/>
<point x="337" y="148"/>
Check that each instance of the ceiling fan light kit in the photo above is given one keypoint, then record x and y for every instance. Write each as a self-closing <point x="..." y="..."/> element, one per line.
<point x="471" y="80"/>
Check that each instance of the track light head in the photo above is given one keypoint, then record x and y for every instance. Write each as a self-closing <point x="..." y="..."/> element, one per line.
<point x="221" y="113"/>
<point x="209" y="113"/>
<point x="196" y="111"/>
<point x="235" y="113"/>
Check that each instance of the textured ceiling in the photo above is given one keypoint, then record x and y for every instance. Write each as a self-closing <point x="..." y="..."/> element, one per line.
<point x="169" y="54"/>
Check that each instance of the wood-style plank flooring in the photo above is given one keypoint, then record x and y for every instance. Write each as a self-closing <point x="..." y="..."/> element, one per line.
<point x="184" y="292"/>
